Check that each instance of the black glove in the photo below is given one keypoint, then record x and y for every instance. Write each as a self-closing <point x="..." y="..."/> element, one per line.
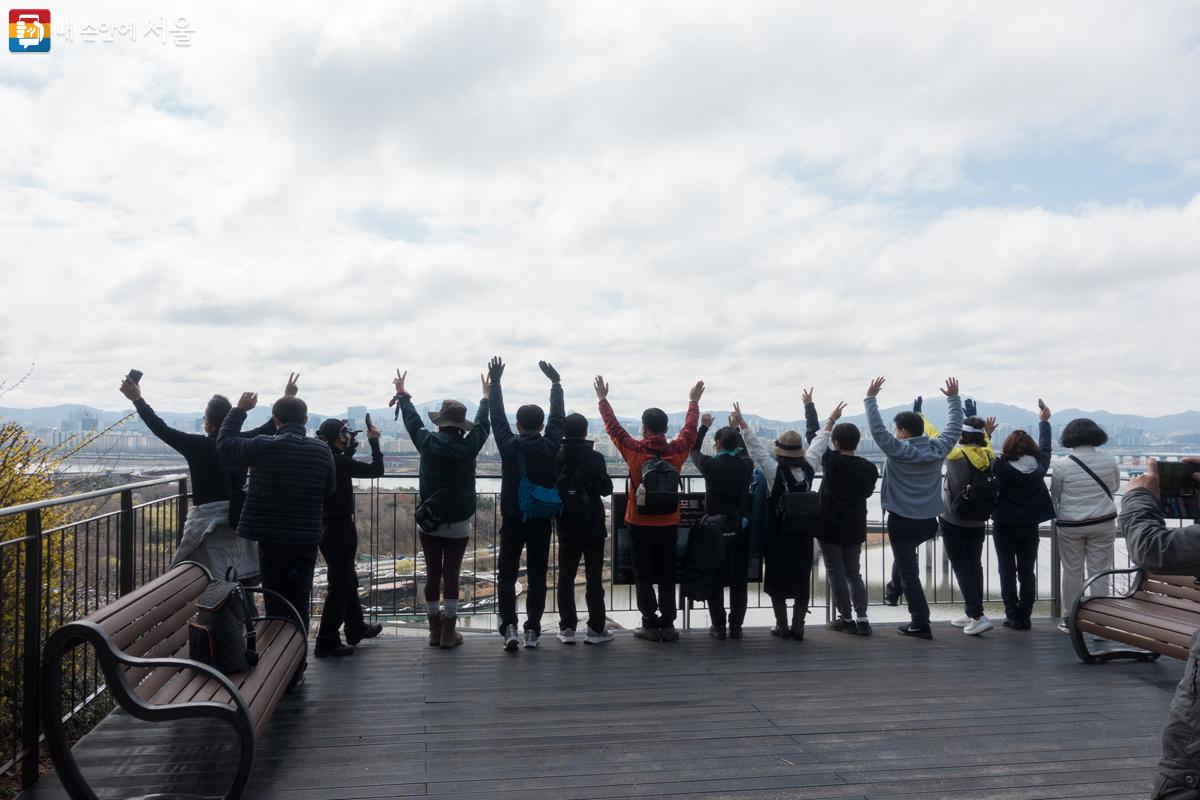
<point x="969" y="407"/>
<point x="549" y="371"/>
<point x="495" y="369"/>
<point x="917" y="405"/>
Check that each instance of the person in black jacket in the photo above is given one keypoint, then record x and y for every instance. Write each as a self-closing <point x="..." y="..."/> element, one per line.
<point x="533" y="455"/>
<point x="847" y="482"/>
<point x="1022" y="505"/>
<point x="209" y="532"/>
<point x="290" y="475"/>
<point x="582" y="481"/>
<point x="727" y="478"/>
<point x="339" y="543"/>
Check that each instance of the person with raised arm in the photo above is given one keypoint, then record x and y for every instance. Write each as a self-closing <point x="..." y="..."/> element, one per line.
<point x="652" y="508"/>
<point x="847" y="482"/>
<point x="911" y="492"/>
<point x="788" y="551"/>
<point x="1023" y="503"/>
<point x="1168" y="551"/>
<point x="527" y="459"/>
<point x="210" y="530"/>
<point x="447" y="499"/>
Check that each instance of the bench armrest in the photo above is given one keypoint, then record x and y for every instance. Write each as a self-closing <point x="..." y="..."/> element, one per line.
<point x="1108" y="573"/>
<point x="293" y="616"/>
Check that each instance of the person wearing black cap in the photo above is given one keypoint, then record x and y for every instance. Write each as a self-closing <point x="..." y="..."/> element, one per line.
<point x="339" y="543"/>
<point x="529" y="457"/>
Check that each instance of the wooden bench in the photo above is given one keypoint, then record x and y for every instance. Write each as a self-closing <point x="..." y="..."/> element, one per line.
<point x="1157" y="616"/>
<point x="141" y="644"/>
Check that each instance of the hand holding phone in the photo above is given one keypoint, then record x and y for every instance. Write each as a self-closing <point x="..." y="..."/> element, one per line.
<point x="135" y="375"/>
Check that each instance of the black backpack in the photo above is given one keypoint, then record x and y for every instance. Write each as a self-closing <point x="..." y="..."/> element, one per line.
<point x="978" y="498"/>
<point x="798" y="507"/>
<point x="575" y="489"/>
<point x="658" y="493"/>
<point x="223" y="634"/>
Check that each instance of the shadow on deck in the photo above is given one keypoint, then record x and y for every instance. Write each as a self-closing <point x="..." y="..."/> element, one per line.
<point x="1008" y="715"/>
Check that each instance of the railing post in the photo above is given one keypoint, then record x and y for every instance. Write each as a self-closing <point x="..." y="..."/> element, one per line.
<point x="125" y="545"/>
<point x="30" y="702"/>
<point x="1056" y="609"/>
<point x="181" y="511"/>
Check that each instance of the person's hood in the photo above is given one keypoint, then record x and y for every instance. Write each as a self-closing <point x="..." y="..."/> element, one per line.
<point x="655" y="441"/>
<point x="857" y="471"/>
<point x="448" y="447"/>
<point x="1026" y="464"/>
<point x="980" y="456"/>
<point x="581" y="445"/>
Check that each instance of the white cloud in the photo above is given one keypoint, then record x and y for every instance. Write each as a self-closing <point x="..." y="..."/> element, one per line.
<point x="660" y="192"/>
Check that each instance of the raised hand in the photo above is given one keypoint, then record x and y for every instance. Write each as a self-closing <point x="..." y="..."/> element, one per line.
<point x="736" y="417"/>
<point x="990" y="425"/>
<point x="601" y="387"/>
<point x="398" y="381"/>
<point x="372" y="431"/>
<point x="806" y="395"/>
<point x="969" y="408"/>
<point x="495" y="370"/>
<point x="1044" y="413"/>
<point x="917" y="401"/>
<point x="130" y="389"/>
<point x="549" y="371"/>
<point x="706" y="420"/>
<point x="696" y="392"/>
<point x="247" y="401"/>
<point x="876" y="385"/>
<point x="951" y="389"/>
<point x="293" y="385"/>
<point x="836" y="414"/>
<point x="1148" y="480"/>
<point x="486" y="383"/>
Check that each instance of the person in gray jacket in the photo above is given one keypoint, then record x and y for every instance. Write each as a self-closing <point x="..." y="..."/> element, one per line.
<point x="912" y="494"/>
<point x="1171" y="551"/>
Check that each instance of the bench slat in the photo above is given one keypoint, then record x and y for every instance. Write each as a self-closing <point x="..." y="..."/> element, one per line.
<point x="1153" y="645"/>
<point x="1143" y="625"/>
<point x="173" y="590"/>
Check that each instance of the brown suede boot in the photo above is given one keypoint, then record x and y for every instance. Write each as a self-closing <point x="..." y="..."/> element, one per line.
<point x="450" y="637"/>
<point x="435" y="629"/>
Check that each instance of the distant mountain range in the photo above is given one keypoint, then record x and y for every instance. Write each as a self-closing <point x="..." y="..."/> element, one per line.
<point x="1187" y="422"/>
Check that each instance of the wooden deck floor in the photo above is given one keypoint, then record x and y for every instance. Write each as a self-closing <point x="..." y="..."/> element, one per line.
<point x="1009" y="715"/>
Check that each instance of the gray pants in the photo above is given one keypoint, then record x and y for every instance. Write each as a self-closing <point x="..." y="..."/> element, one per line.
<point x="1090" y="545"/>
<point x="845" y="579"/>
<point x="1179" y="770"/>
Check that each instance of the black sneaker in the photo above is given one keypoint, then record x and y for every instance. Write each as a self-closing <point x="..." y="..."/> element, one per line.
<point x="667" y="633"/>
<point x="891" y="599"/>
<point x="915" y="632"/>
<point x="797" y="630"/>
<point x="339" y="649"/>
<point x="863" y="628"/>
<point x="511" y="640"/>
<point x="840" y="625"/>
<point x="1009" y="622"/>
<point x="717" y="633"/>
<point x="649" y="634"/>
<point x="782" y="631"/>
<point x="735" y="631"/>
<point x="368" y="632"/>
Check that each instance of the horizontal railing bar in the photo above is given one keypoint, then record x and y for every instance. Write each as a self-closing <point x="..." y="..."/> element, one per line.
<point x="79" y="498"/>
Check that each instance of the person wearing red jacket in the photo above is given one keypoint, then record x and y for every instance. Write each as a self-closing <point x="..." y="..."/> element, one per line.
<point x="653" y="536"/>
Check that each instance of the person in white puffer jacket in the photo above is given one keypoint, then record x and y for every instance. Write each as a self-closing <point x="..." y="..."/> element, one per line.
<point x="1082" y="485"/>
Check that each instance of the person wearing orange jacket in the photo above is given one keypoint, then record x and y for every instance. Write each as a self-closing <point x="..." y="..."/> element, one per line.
<point x="653" y="532"/>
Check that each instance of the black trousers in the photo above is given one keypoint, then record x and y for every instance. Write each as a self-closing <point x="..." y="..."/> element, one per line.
<point x="570" y="551"/>
<point x="964" y="548"/>
<point x="738" y="585"/>
<point x="342" y="604"/>
<point x="532" y="536"/>
<point x="1016" y="556"/>
<point x="905" y="535"/>
<point x="288" y="569"/>
<point x="654" y="565"/>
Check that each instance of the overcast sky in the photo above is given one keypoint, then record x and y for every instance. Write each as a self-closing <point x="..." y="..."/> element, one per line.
<point x="762" y="195"/>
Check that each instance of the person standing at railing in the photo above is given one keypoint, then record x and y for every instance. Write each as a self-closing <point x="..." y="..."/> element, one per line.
<point x="653" y="534"/>
<point x="447" y="492"/>
<point x="911" y="493"/>
<point x="1168" y="551"/>
<point x="1082" y="485"/>
<point x="290" y="476"/>
<point x="1023" y="505"/>
<point x="529" y="457"/>
<point x="969" y="494"/>
<point x="727" y="479"/>
<point x="210" y="531"/>
<point x="339" y="544"/>
<point x="788" y="553"/>
<point x="847" y="483"/>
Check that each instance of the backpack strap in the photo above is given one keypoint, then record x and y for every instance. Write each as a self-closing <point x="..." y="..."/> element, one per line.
<point x="1095" y="477"/>
<point x="521" y="461"/>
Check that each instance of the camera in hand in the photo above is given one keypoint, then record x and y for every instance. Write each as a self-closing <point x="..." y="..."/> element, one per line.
<point x="1179" y="493"/>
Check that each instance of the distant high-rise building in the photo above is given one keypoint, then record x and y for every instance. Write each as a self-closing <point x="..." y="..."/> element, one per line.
<point x="356" y="414"/>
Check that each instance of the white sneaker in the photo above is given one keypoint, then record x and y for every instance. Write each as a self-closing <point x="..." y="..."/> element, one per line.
<point x="511" y="640"/>
<point x="978" y="626"/>
<point x="597" y="637"/>
<point x="1062" y="627"/>
<point x="531" y="639"/>
<point x="962" y="621"/>
<point x="567" y="636"/>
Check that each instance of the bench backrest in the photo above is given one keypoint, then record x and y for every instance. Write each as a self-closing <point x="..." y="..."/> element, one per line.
<point x="1180" y="591"/>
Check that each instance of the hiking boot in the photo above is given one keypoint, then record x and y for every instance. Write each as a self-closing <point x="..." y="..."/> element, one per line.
<point x="782" y="631"/>
<point x="567" y="636"/>
<point x="915" y="632"/>
<point x="718" y="632"/>
<point x="797" y="630"/>
<point x="368" y="632"/>
<point x="597" y="637"/>
<point x="511" y="640"/>
<point x="450" y="638"/>
<point x="531" y="639"/>
<point x="863" y="627"/>
<point x="435" y="629"/>
<point x="339" y="649"/>
<point x="735" y="631"/>
<point x="667" y="633"/>
<point x="648" y="634"/>
<point x="978" y="626"/>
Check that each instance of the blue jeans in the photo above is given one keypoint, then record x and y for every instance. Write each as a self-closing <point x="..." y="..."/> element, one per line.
<point x="905" y="536"/>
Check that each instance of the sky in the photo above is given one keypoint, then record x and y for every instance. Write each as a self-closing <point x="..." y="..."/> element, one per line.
<point x="764" y="196"/>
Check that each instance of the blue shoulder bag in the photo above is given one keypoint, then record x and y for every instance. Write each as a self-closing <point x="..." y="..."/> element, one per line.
<point x="535" y="502"/>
